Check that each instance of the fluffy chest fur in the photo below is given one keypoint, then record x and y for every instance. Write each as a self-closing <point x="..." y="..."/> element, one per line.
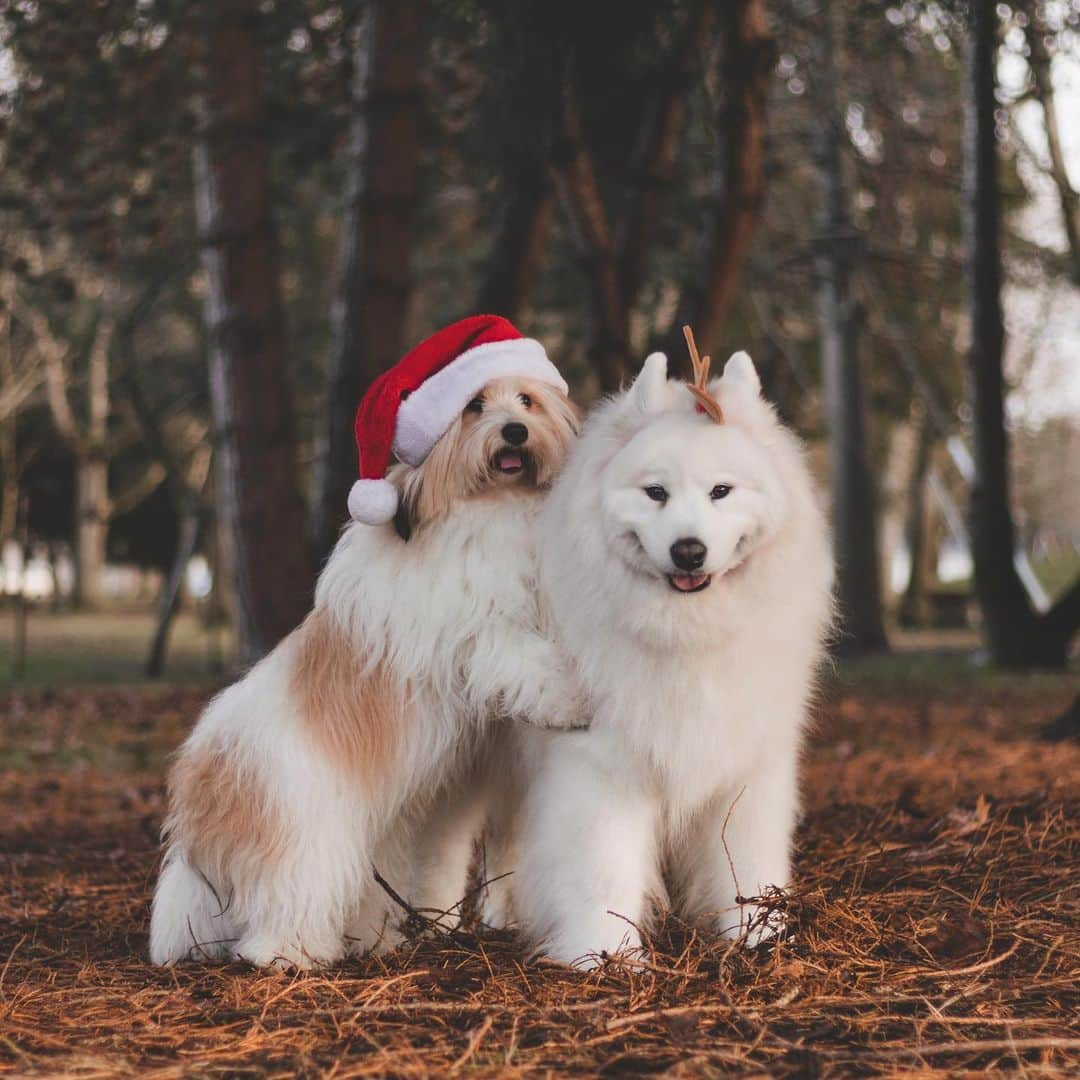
<point x="429" y="607"/>
<point x="690" y="721"/>
<point x="690" y="690"/>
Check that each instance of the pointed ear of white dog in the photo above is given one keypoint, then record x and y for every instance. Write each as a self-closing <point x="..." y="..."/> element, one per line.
<point x="649" y="392"/>
<point x="740" y="371"/>
<point x="739" y="382"/>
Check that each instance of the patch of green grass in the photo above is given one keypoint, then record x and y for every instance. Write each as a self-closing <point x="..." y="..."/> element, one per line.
<point x="950" y="662"/>
<point x="106" y="648"/>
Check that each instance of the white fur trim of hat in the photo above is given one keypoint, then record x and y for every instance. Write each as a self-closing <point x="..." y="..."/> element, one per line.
<point x="424" y="416"/>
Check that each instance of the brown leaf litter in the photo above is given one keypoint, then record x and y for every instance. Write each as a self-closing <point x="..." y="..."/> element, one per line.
<point x="934" y="926"/>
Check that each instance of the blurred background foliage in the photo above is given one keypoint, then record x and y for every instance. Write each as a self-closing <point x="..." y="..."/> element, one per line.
<point x="183" y="346"/>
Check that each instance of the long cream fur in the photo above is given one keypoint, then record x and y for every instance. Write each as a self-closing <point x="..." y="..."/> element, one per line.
<point x="352" y="744"/>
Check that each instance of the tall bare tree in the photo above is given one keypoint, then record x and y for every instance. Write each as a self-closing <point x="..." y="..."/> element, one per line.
<point x="854" y="504"/>
<point x="614" y="251"/>
<point x="748" y="57"/>
<point x="260" y="506"/>
<point x="1036" y="32"/>
<point x="532" y="41"/>
<point x="1016" y="634"/>
<point x="21" y="374"/>
<point x="375" y="288"/>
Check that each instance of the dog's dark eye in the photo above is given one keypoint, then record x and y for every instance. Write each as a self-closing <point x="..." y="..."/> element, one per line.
<point x="476" y="405"/>
<point x="656" y="493"/>
<point x="526" y="400"/>
<point x="721" y="491"/>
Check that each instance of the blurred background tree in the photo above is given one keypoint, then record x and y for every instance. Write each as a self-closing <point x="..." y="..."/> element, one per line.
<point x="220" y="220"/>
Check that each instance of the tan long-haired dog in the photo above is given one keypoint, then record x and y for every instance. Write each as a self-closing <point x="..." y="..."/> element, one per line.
<point x="350" y="746"/>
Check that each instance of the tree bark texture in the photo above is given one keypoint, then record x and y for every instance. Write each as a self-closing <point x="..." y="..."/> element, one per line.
<point x="615" y="255"/>
<point x="371" y="311"/>
<point x="854" y="509"/>
<point x="583" y="204"/>
<point x="1016" y="635"/>
<point x="259" y="500"/>
<point x="658" y="145"/>
<point x="914" y="605"/>
<point x="706" y="300"/>
<point x="87" y="441"/>
<point x="514" y="263"/>
<point x="171" y="590"/>
<point x="535" y="57"/>
<point x="1007" y="614"/>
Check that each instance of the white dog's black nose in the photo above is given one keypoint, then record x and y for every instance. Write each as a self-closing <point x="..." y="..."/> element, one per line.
<point x="688" y="554"/>
<point x="515" y="434"/>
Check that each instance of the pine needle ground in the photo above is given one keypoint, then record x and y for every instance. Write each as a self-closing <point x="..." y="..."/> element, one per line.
<point x="935" y="924"/>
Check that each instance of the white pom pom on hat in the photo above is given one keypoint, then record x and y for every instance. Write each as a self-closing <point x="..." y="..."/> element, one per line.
<point x="409" y="408"/>
<point x="374" y="502"/>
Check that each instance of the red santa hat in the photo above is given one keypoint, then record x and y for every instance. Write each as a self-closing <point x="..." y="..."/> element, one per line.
<point x="409" y="408"/>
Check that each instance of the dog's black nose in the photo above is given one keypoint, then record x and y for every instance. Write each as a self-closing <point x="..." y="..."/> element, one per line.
<point x="515" y="434"/>
<point x="688" y="554"/>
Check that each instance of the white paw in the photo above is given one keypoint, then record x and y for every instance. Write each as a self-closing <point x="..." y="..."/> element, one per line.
<point x="372" y="943"/>
<point x="267" y="952"/>
<point x="497" y="907"/>
<point x="582" y="957"/>
<point x="757" y="924"/>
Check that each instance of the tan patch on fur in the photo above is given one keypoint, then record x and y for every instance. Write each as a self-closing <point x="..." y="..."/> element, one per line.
<point x="353" y="714"/>
<point x="219" y="812"/>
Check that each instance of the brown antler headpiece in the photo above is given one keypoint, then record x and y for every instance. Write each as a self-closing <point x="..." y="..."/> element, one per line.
<point x="700" y="386"/>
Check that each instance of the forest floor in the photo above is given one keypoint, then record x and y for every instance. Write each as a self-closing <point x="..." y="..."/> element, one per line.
<point x="935" y="922"/>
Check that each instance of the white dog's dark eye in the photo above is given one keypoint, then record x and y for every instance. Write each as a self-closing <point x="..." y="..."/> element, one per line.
<point x="721" y="491"/>
<point x="656" y="493"/>
<point x="476" y="405"/>
<point x="526" y="400"/>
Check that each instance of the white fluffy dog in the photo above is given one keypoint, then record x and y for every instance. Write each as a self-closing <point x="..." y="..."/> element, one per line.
<point x="349" y="745"/>
<point x="688" y="570"/>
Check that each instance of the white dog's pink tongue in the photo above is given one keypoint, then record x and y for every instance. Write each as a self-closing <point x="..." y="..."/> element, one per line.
<point x="687" y="582"/>
<point x="510" y="461"/>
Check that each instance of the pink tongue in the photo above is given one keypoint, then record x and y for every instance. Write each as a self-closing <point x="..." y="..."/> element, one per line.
<point x="686" y="582"/>
<point x="509" y="461"/>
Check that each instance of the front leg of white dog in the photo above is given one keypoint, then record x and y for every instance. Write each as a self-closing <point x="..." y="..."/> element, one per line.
<point x="588" y="858"/>
<point x="741" y="848"/>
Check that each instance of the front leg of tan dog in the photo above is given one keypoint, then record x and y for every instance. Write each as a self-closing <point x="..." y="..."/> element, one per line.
<point x="533" y="682"/>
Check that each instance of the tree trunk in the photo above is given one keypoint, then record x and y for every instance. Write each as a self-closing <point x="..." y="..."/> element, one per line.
<point x="172" y="587"/>
<point x="914" y="603"/>
<point x="9" y="480"/>
<point x="706" y="301"/>
<point x="854" y="509"/>
<point x="515" y="259"/>
<point x="658" y="144"/>
<point x="1010" y="624"/>
<point x="91" y="529"/>
<point x="92" y="509"/>
<point x="534" y="46"/>
<point x="259" y="500"/>
<point x="9" y="464"/>
<point x="1069" y="198"/>
<point x="375" y="288"/>
<point x="580" y="195"/>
